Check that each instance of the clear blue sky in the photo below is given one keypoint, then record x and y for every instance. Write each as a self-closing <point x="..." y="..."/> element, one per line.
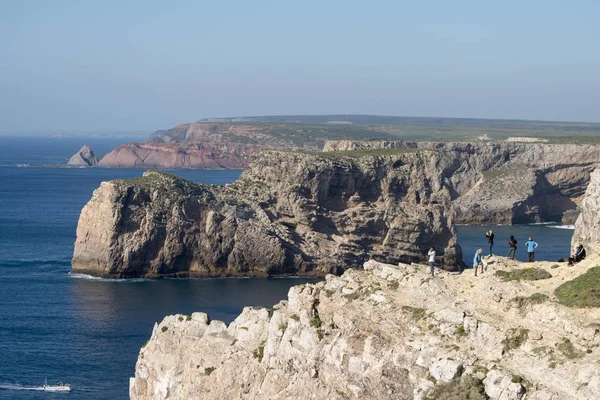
<point x="146" y="65"/>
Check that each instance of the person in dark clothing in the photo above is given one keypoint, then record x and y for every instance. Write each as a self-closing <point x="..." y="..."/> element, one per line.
<point x="512" y="247"/>
<point x="490" y="236"/>
<point x="578" y="256"/>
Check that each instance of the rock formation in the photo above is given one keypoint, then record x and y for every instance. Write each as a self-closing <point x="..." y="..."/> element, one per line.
<point x="386" y="332"/>
<point x="205" y="145"/>
<point x="85" y="157"/>
<point x="507" y="183"/>
<point x="290" y="213"/>
<point x="587" y="227"/>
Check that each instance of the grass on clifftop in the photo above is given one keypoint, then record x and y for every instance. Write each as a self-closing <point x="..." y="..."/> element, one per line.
<point x="463" y="388"/>
<point x="583" y="291"/>
<point x="527" y="274"/>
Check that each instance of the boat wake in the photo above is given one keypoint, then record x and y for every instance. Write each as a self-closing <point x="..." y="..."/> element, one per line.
<point x="20" y="387"/>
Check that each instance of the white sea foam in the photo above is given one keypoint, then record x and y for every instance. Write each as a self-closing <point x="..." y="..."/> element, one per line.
<point x="562" y="227"/>
<point x="20" y="387"/>
<point x="96" y="278"/>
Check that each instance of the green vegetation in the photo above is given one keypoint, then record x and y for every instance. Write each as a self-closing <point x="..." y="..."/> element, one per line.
<point x="180" y="319"/>
<point x="316" y="322"/>
<point x="460" y="331"/>
<point x="555" y="266"/>
<point x="188" y="318"/>
<point x="209" y="370"/>
<point x="393" y="285"/>
<point x="164" y="328"/>
<point x="536" y="298"/>
<point x="362" y="292"/>
<point x="283" y="326"/>
<point x="527" y="274"/>
<point x="416" y="313"/>
<point x="583" y="291"/>
<point x="466" y="387"/>
<point x="259" y="352"/>
<point x="363" y="153"/>
<point x="515" y="338"/>
<point x="295" y="317"/>
<point x="567" y="349"/>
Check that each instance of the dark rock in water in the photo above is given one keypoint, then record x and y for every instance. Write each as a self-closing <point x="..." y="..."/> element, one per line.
<point x="85" y="157"/>
<point x="290" y="213"/>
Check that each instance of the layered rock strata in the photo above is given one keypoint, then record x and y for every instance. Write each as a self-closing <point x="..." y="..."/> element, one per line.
<point x="290" y="213"/>
<point x="505" y="183"/>
<point x="587" y="227"/>
<point x="387" y="332"/>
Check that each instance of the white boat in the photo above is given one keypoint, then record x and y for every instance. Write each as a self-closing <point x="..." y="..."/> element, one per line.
<point x="60" y="387"/>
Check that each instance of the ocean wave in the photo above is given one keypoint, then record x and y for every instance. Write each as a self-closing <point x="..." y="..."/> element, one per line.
<point x="97" y="278"/>
<point x="20" y="387"/>
<point x="562" y="227"/>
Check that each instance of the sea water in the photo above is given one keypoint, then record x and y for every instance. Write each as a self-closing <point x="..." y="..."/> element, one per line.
<point x="88" y="331"/>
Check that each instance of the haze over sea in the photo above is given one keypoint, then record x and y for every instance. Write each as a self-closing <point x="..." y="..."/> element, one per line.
<point x="86" y="331"/>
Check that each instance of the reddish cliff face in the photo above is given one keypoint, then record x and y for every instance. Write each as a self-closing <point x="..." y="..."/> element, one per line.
<point x="167" y="155"/>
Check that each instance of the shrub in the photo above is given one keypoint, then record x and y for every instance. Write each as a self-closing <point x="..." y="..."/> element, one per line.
<point x="259" y="352"/>
<point x="393" y="285"/>
<point x="583" y="291"/>
<point x="466" y="387"/>
<point x="164" y="328"/>
<point x="209" y="370"/>
<point x="536" y="298"/>
<point x="283" y="327"/>
<point x="526" y="274"/>
<point x="515" y="339"/>
<point x="567" y="349"/>
<point x="180" y="319"/>
<point x="315" y="322"/>
<point x="295" y="317"/>
<point x="416" y="313"/>
<point x="188" y="318"/>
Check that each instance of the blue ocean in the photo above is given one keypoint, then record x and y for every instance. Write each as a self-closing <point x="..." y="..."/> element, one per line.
<point x="87" y="331"/>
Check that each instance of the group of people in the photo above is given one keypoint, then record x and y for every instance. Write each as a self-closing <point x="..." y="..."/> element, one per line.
<point x="512" y="246"/>
<point x="530" y="245"/>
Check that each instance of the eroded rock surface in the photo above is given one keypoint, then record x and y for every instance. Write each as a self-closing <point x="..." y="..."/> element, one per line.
<point x="290" y="213"/>
<point x="508" y="183"/>
<point x="85" y="157"/>
<point x="386" y="332"/>
<point x="587" y="227"/>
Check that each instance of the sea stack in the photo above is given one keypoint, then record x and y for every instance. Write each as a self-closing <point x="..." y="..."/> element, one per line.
<point x="85" y="157"/>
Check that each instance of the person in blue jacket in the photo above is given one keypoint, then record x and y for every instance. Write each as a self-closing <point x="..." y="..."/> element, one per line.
<point x="531" y="246"/>
<point x="477" y="261"/>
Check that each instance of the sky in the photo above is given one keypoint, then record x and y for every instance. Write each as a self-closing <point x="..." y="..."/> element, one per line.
<point x="147" y="65"/>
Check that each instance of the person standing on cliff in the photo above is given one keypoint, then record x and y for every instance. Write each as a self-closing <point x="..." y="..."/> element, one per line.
<point x="512" y="247"/>
<point x="431" y="255"/>
<point x="531" y="246"/>
<point x="477" y="261"/>
<point x="490" y="236"/>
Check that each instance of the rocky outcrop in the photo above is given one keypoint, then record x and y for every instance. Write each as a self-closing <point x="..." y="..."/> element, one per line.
<point x="587" y="227"/>
<point x="502" y="182"/>
<point x="386" y="332"/>
<point x="85" y="157"/>
<point x="290" y="213"/>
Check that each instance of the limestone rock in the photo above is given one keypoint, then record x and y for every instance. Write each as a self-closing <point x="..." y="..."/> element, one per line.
<point x="290" y="213"/>
<point x="335" y="340"/>
<point x="587" y="227"/>
<point x="85" y="157"/>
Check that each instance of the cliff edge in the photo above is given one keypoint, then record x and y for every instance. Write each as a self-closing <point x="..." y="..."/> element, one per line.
<point x="587" y="227"/>
<point x="289" y="213"/>
<point x="388" y="332"/>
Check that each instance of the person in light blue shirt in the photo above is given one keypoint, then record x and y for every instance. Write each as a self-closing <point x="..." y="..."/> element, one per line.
<point x="477" y="261"/>
<point x="531" y="246"/>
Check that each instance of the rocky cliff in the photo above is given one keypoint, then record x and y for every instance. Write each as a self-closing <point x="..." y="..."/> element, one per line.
<point x="501" y="182"/>
<point x="290" y="213"/>
<point x="389" y="332"/>
<point x="587" y="227"/>
<point x="85" y="157"/>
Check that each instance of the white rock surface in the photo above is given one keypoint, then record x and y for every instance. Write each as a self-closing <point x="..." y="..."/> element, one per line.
<point x="388" y="332"/>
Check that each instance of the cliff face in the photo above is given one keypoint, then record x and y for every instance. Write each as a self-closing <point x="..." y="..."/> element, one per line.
<point x="85" y="157"/>
<point x="386" y="332"/>
<point x="503" y="182"/>
<point x="165" y="155"/>
<point x="290" y="213"/>
<point x="587" y="227"/>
